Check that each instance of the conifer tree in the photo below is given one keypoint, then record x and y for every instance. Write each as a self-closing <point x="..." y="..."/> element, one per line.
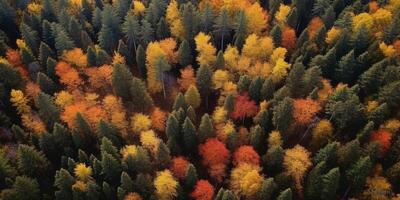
<point x="163" y="155"/>
<point x="282" y="117"/>
<point x="46" y="84"/>
<point x="330" y="184"/>
<point x="31" y="162"/>
<point x="273" y="159"/>
<point x="24" y="188"/>
<point x="203" y="81"/>
<point x="222" y="26"/>
<point x="192" y="97"/>
<point x="206" y="129"/>
<point x="48" y="111"/>
<point x="180" y="102"/>
<point x="191" y="177"/>
<point x="48" y="11"/>
<point x="91" y="56"/>
<point x="131" y="30"/>
<point x="240" y="29"/>
<point x="220" y="62"/>
<point x="109" y="31"/>
<point x="63" y="181"/>
<point x="268" y="189"/>
<point x="313" y="188"/>
<point x="124" y="51"/>
<point x="276" y="34"/>
<point x="140" y="98"/>
<point x="358" y="173"/>
<point x="126" y="182"/>
<point x="140" y="61"/>
<point x="190" y="21"/>
<point x="207" y="18"/>
<point x="255" y="88"/>
<point x="111" y="168"/>
<point x="44" y="53"/>
<point x="185" y="53"/>
<point x="146" y="33"/>
<point x="189" y="136"/>
<point x="62" y="41"/>
<point x="162" y="30"/>
<point x="74" y="31"/>
<point x="285" y="195"/>
<point x="31" y="37"/>
<point x="121" y="81"/>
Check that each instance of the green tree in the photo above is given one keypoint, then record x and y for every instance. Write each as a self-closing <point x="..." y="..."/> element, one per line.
<point x="146" y="33"/>
<point x="327" y="154"/>
<point x="189" y="136"/>
<point x="126" y="182"/>
<point x="273" y="159"/>
<point x="163" y="157"/>
<point x="390" y="94"/>
<point x="131" y="31"/>
<point x="282" y="116"/>
<point x="222" y="26"/>
<point x="240" y="27"/>
<point x="62" y="40"/>
<point x="276" y="34"/>
<point x="31" y="162"/>
<point x="121" y="81"/>
<point x="255" y="88"/>
<point x="185" y="57"/>
<point x="244" y="83"/>
<point x="180" y="102"/>
<point x="111" y="168"/>
<point x="349" y="153"/>
<point x="192" y="97"/>
<point x="207" y="18"/>
<point x="44" y="53"/>
<point x="295" y="81"/>
<point x="31" y="37"/>
<point x="203" y="81"/>
<point x="162" y="66"/>
<point x="285" y="195"/>
<point x="140" y="98"/>
<point x="313" y="186"/>
<point x="24" y="188"/>
<point x="267" y="89"/>
<point x="190" y="178"/>
<point x="108" y="147"/>
<point x="74" y="31"/>
<point x="357" y="174"/>
<point x="91" y="56"/>
<point x="268" y="189"/>
<point x="206" y="129"/>
<point x="141" y="61"/>
<point x="109" y="32"/>
<point x="190" y="21"/>
<point x="63" y="181"/>
<point x="46" y="84"/>
<point x="107" y="130"/>
<point x="162" y="30"/>
<point x="330" y="184"/>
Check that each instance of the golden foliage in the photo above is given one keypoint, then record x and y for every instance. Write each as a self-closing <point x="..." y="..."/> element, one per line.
<point x="205" y="48"/>
<point x="68" y="75"/>
<point x="153" y="53"/>
<point x="251" y="184"/>
<point x="174" y="20"/>
<point x="378" y="188"/>
<point x="118" y="59"/>
<point x="282" y="14"/>
<point x="34" y="8"/>
<point x="371" y="105"/>
<point x="138" y="7"/>
<point x="219" y="78"/>
<point x="219" y="115"/>
<point x="150" y="141"/>
<point x="280" y="70"/>
<point x="256" y="18"/>
<point x="225" y="130"/>
<point x="168" y="45"/>
<point x="332" y="35"/>
<point x="305" y="110"/>
<point x="321" y="133"/>
<point x="277" y="54"/>
<point x="63" y="98"/>
<point x="128" y="150"/>
<point x="315" y="24"/>
<point x="387" y="50"/>
<point x="237" y="181"/>
<point x="258" y="49"/>
<point x="83" y="172"/>
<point x="132" y="196"/>
<point x="296" y="163"/>
<point x="79" y="185"/>
<point x="325" y="92"/>
<point x="382" y="18"/>
<point x="19" y="101"/>
<point x="275" y="139"/>
<point x="363" y="19"/>
<point x="33" y="123"/>
<point x="100" y="77"/>
<point x="165" y="185"/>
<point x="231" y="56"/>
<point x="140" y="122"/>
<point x="75" y="57"/>
<point x="393" y="125"/>
<point x="187" y="78"/>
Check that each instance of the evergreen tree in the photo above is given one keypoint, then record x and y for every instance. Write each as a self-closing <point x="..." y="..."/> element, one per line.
<point x="276" y="34"/>
<point x="24" y="188"/>
<point x="313" y="187"/>
<point x="203" y="81"/>
<point x="63" y="182"/>
<point x="191" y="177"/>
<point x="273" y="159"/>
<point x="140" y="98"/>
<point x="243" y="83"/>
<point x="146" y="33"/>
<point x="206" y="129"/>
<point x="44" y="53"/>
<point x="229" y="195"/>
<point x="390" y="94"/>
<point x="108" y="147"/>
<point x="361" y="40"/>
<point x="285" y="195"/>
<point x="62" y="40"/>
<point x="295" y="79"/>
<point x="126" y="182"/>
<point x="282" y="117"/>
<point x="327" y="154"/>
<point x="179" y="102"/>
<point x="256" y="138"/>
<point x="48" y="12"/>
<point x="189" y="136"/>
<point x="255" y="88"/>
<point x="162" y="66"/>
<point x="74" y="31"/>
<point x="357" y="173"/>
<point x="91" y="56"/>
<point x="312" y="79"/>
<point x="207" y="18"/>
<point x="131" y="30"/>
<point x="191" y="114"/>
<point x="31" y="37"/>
<point x="229" y="103"/>
<point x="240" y="29"/>
<point x="111" y="168"/>
<point x="220" y="62"/>
<point x="330" y="184"/>
<point x="392" y="31"/>
<point x="185" y="57"/>
<point x="192" y="97"/>
<point x="268" y="89"/>
<point x="48" y="111"/>
<point x="46" y="84"/>
<point x="163" y="157"/>
<point x="107" y="130"/>
<point x="140" y="61"/>
<point x="31" y="162"/>
<point x="268" y="189"/>
<point x="222" y="26"/>
<point x="162" y="30"/>
<point x="121" y="81"/>
<point x="124" y="51"/>
<point x="190" y="21"/>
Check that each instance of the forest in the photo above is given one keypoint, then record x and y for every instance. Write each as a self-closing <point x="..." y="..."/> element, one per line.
<point x="199" y="99"/>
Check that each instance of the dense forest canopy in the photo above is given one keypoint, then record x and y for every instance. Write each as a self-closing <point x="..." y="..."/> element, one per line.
<point x="199" y="99"/>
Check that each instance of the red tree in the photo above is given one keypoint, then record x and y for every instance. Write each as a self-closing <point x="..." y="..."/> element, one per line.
<point x="383" y="137"/>
<point x="215" y="156"/>
<point x="289" y="38"/>
<point x="246" y="154"/>
<point x="244" y="107"/>
<point x="179" y="166"/>
<point x="203" y="191"/>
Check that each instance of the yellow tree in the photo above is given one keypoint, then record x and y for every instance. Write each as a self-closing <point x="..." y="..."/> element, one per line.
<point x="165" y="185"/>
<point x="282" y="14"/>
<point x="192" y="97"/>
<point x="258" y="49"/>
<point x="154" y="52"/>
<point x="219" y="78"/>
<point x="280" y="70"/>
<point x="174" y="20"/>
<point x="19" y="101"/>
<point x="256" y="18"/>
<point x="140" y="122"/>
<point x="296" y="163"/>
<point x="205" y="48"/>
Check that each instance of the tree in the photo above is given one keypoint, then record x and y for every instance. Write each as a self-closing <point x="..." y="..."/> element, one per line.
<point x="285" y="195"/>
<point x="384" y="138"/>
<point x="206" y="129"/>
<point x="30" y="37"/>
<point x="330" y="184"/>
<point x="146" y="33"/>
<point x="205" y="49"/>
<point x="244" y="107"/>
<point x="48" y="111"/>
<point x="207" y="18"/>
<point x="24" y="188"/>
<point x="256" y="18"/>
<point x="131" y="30"/>
<point x="282" y="115"/>
<point x="203" y="191"/>
<point x="222" y="26"/>
<point x="165" y="185"/>
<point x="321" y="133"/>
<point x="31" y="162"/>
<point x="357" y="173"/>
<point x="296" y="163"/>
<point x="187" y="78"/>
<point x="111" y="168"/>
<point x="140" y="60"/>
<point x="203" y="81"/>
<point x="246" y="154"/>
<point x="121" y="81"/>
<point x="190" y="177"/>
<point x="215" y="156"/>
<point x="189" y="136"/>
<point x="192" y="97"/>
<point x="140" y="123"/>
<point x="140" y="98"/>
<point x="304" y="110"/>
<point x="268" y="189"/>
<point x="255" y="88"/>
<point x="185" y="53"/>
<point x="163" y="157"/>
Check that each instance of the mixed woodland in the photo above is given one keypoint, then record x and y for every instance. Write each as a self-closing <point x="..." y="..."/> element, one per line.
<point x="199" y="99"/>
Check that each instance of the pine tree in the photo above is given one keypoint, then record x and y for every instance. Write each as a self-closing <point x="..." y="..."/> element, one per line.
<point x="189" y="136"/>
<point x="48" y="111"/>
<point x="229" y="195"/>
<point x="240" y="29"/>
<point x="31" y="37"/>
<point x="295" y="79"/>
<point x="63" y="181"/>
<point x="109" y="32"/>
<point x="162" y="30"/>
<point x="357" y="173"/>
<point x="107" y="130"/>
<point x="255" y="88"/>
<point x="74" y="31"/>
<point x="31" y="162"/>
<point x="24" y="188"/>
<point x="229" y="103"/>
<point x="361" y="40"/>
<point x="163" y="157"/>
<point x="179" y="102"/>
<point x="192" y="97"/>
<point x="111" y="168"/>
<point x="131" y="30"/>
<point x="273" y="159"/>
<point x="44" y="53"/>
<point x="190" y="21"/>
<point x="46" y="84"/>
<point x="390" y="94"/>
<point x="222" y="26"/>
<point x="330" y="184"/>
<point x="185" y="57"/>
<point x="268" y="189"/>
<point x="282" y="117"/>
<point x="392" y="30"/>
<point x="267" y="89"/>
<point x="48" y="12"/>
<point x="126" y="182"/>
<point x="313" y="187"/>
<point x="207" y="18"/>
<point x="140" y="61"/>
<point x="191" y="114"/>
<point x="206" y="129"/>
<point x="349" y="153"/>
<point x="121" y="81"/>
<point x="124" y="51"/>
<point x="91" y="56"/>
<point x="190" y="178"/>
<point x="203" y="81"/>
<point x="146" y="33"/>
<point x="276" y="34"/>
<point x="107" y="147"/>
<point x="140" y="98"/>
<point x="62" y="40"/>
<point x="86" y="41"/>
<point x="244" y="83"/>
<point x="162" y="66"/>
<point x="285" y="195"/>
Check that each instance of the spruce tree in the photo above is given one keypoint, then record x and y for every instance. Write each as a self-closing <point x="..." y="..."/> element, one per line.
<point x="31" y="37"/>
<point x="62" y="40"/>
<point x="240" y="29"/>
<point x="255" y="88"/>
<point x="131" y="31"/>
<point x="141" y="61"/>
<point x="229" y="103"/>
<point x="126" y="182"/>
<point x="63" y="181"/>
<point x="91" y="56"/>
<point x="243" y="83"/>
<point x="268" y="89"/>
<point x="140" y="98"/>
<point x="191" y="114"/>
<point x="222" y="26"/>
<point x="44" y="53"/>
<point x="31" y="162"/>
<point x="282" y="117"/>
<point x="190" y="21"/>
<point x="163" y="157"/>
<point x="313" y="186"/>
<point x="357" y="174"/>
<point x="111" y="168"/>
<point x="203" y="81"/>
<point x="146" y="33"/>
<point x="273" y="159"/>
<point x="192" y="97"/>
<point x="179" y="102"/>
<point x="185" y="53"/>
<point x="294" y="80"/>
<point x="46" y="84"/>
<point x="162" y="30"/>
<point x="330" y="184"/>
<point x="191" y="177"/>
<point x="189" y="136"/>
<point x="220" y="62"/>
<point x="206" y="129"/>
<point x="48" y="12"/>
<point x="390" y="94"/>
<point x="74" y="31"/>
<point x="24" y="188"/>
<point x="268" y="189"/>
<point x="285" y="195"/>
<point x="124" y="51"/>
<point x="121" y="81"/>
<point x="107" y="130"/>
<point x="276" y="34"/>
<point x="207" y="18"/>
<point x="48" y="111"/>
